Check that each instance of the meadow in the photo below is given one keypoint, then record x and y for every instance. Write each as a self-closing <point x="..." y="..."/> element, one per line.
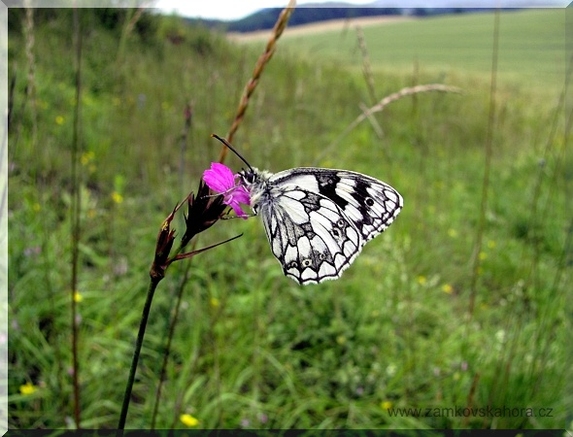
<point x="531" y="49"/>
<point x="458" y="316"/>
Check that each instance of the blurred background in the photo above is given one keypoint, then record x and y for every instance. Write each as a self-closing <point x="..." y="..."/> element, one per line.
<point x="458" y="316"/>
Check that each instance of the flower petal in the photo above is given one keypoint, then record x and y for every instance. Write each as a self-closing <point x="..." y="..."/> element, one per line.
<point x="238" y="211"/>
<point x="189" y="420"/>
<point x="241" y="195"/>
<point x="235" y="198"/>
<point x="219" y="177"/>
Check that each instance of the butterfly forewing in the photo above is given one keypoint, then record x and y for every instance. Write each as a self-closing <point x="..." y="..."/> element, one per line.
<point x="371" y="205"/>
<point x="317" y="220"/>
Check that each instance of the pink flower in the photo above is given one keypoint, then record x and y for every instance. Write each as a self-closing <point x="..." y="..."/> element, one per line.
<point x="221" y="180"/>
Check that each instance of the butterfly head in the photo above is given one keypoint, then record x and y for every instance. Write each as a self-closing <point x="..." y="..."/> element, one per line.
<point x="248" y="176"/>
<point x="256" y="183"/>
<point x="253" y="175"/>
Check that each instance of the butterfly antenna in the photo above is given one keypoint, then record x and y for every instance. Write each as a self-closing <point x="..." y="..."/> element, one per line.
<point x="226" y="143"/>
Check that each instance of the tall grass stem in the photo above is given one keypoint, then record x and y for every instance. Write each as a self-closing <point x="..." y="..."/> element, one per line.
<point x="75" y="212"/>
<point x="131" y="18"/>
<point x="263" y="60"/>
<point x="488" y="149"/>
<point x="137" y="351"/>
<point x="547" y="329"/>
<point x="31" y="84"/>
<point x="170" y="334"/>
<point x="187" y="125"/>
<point x="366" y="114"/>
<point x="366" y="65"/>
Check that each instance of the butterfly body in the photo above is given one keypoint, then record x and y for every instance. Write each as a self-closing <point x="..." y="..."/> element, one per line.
<point x="317" y="220"/>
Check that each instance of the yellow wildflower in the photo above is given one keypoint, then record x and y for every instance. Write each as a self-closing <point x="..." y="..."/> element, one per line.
<point x="87" y="157"/>
<point x="27" y="389"/>
<point x="421" y="280"/>
<point x="447" y="288"/>
<point x="189" y="420"/>
<point x="386" y="405"/>
<point x="214" y="302"/>
<point x="117" y="198"/>
<point x="59" y="120"/>
<point x="77" y="297"/>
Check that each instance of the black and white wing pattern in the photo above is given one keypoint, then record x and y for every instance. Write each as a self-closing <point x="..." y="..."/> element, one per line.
<point x="317" y="220"/>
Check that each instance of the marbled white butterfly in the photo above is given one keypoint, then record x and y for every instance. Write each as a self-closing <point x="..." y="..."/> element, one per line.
<point x="317" y="220"/>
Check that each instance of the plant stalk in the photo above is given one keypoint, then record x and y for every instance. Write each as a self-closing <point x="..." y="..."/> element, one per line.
<point x="75" y="218"/>
<point x="476" y="262"/>
<point x="137" y="351"/>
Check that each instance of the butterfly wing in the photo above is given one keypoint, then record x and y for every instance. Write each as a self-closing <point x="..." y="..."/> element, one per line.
<point x="309" y="235"/>
<point x="369" y="204"/>
<point x="317" y="220"/>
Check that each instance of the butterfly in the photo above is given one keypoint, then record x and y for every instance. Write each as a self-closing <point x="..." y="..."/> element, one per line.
<point x="317" y="220"/>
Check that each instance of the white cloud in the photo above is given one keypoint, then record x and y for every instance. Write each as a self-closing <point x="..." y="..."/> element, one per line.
<point x="233" y="10"/>
<point x="219" y="9"/>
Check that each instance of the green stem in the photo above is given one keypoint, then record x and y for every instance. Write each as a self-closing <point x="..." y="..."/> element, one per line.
<point x="492" y="118"/>
<point x="75" y="216"/>
<point x="136" y="352"/>
<point x="168" y="345"/>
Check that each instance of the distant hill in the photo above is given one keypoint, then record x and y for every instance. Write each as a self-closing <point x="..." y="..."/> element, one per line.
<point x="311" y="13"/>
<point x="266" y="18"/>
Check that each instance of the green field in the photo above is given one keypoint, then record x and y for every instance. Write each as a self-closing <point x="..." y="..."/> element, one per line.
<point x="458" y="316"/>
<point x="531" y="45"/>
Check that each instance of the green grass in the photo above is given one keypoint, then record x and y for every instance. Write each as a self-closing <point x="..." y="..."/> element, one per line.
<point x="531" y="46"/>
<point x="251" y="348"/>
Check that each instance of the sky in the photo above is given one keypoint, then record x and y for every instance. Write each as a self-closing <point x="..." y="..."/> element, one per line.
<point x="236" y="9"/>
<point x="220" y="9"/>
